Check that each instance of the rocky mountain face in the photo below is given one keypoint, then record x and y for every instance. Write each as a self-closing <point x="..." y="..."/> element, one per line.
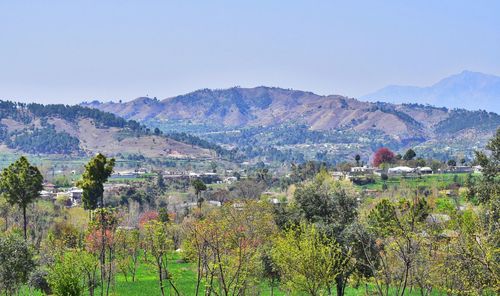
<point x="76" y="130"/>
<point x="468" y="90"/>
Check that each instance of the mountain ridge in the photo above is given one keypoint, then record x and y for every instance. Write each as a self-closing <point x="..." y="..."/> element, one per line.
<point x="468" y="90"/>
<point x="76" y="130"/>
<point x="266" y="119"/>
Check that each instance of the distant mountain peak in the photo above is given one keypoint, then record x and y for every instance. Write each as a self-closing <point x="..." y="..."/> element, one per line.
<point x="468" y="89"/>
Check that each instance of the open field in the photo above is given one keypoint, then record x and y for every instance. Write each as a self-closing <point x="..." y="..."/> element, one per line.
<point x="184" y="274"/>
<point x="439" y="181"/>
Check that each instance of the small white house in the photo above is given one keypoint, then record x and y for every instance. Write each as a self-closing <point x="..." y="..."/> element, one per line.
<point x="363" y="169"/>
<point x="400" y="170"/>
<point x="425" y="170"/>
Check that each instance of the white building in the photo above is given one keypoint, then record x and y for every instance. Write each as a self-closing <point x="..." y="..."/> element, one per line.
<point x="425" y="170"/>
<point x="363" y="169"/>
<point x="400" y="170"/>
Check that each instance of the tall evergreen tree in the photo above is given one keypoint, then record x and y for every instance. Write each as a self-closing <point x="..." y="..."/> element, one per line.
<point x="97" y="172"/>
<point x="199" y="186"/>
<point x="357" y="158"/>
<point x="409" y="155"/>
<point x="21" y="184"/>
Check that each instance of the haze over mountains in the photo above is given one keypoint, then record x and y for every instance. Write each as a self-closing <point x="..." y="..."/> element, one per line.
<point x="468" y="90"/>
<point x="260" y="122"/>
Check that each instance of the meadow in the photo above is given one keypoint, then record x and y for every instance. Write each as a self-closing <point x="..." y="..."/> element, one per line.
<point x="439" y="181"/>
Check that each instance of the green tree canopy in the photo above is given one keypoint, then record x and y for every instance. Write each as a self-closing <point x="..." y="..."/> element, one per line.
<point x="21" y="184"/>
<point x="332" y="206"/>
<point x="487" y="189"/>
<point x="409" y="155"/>
<point x="307" y="260"/>
<point x="198" y="186"/>
<point x="97" y="172"/>
<point x="16" y="263"/>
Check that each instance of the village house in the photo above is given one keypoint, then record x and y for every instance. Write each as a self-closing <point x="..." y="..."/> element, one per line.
<point x="362" y="170"/>
<point x="425" y="170"/>
<point x="400" y="170"/>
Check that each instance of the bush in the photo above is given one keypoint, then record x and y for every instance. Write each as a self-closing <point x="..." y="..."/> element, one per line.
<point x="360" y="181"/>
<point x="16" y="262"/>
<point x="444" y="205"/>
<point x="67" y="276"/>
<point x="38" y="281"/>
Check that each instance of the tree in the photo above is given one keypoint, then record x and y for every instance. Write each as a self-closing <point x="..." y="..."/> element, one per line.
<point x="471" y="262"/>
<point x="67" y="276"/>
<point x="308" y="261"/>
<point x="488" y="185"/>
<point x="101" y="241"/>
<point x="213" y="165"/>
<point x="486" y="190"/>
<point x="228" y="245"/>
<point x="384" y="178"/>
<point x="332" y="206"/>
<point x="383" y="155"/>
<point x="409" y="155"/>
<point x="452" y="163"/>
<point x="21" y="184"/>
<point x="97" y="172"/>
<point x="160" y="181"/>
<point x="198" y="186"/>
<point x="399" y="228"/>
<point x="16" y="263"/>
<point x="357" y="158"/>
<point x="247" y="189"/>
<point x="127" y="251"/>
<point x="270" y="270"/>
<point x="420" y="162"/>
<point x="159" y="244"/>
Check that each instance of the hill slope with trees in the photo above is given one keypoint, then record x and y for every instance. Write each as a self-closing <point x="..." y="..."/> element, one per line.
<point x="274" y="122"/>
<point x="76" y="130"/>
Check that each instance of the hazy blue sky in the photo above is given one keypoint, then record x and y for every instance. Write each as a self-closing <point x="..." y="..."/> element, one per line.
<point x="69" y="51"/>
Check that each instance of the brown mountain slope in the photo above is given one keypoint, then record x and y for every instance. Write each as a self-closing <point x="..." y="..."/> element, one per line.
<point x="269" y="106"/>
<point x="58" y="129"/>
<point x="265" y="106"/>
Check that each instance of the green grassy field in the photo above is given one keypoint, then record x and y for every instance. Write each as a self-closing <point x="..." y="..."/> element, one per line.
<point x="439" y="181"/>
<point x="185" y="280"/>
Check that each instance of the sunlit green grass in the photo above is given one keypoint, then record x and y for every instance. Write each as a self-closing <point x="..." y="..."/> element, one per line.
<point x="439" y="181"/>
<point x="184" y="275"/>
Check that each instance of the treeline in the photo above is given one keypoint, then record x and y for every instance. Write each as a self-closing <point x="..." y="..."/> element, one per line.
<point x="44" y="140"/>
<point x="196" y="141"/>
<point x="72" y="113"/>
<point x="462" y="119"/>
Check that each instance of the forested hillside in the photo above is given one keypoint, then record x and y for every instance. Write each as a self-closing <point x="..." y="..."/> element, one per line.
<point x="77" y="130"/>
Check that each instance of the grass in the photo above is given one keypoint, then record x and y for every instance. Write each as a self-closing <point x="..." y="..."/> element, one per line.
<point x="185" y="280"/>
<point x="440" y="181"/>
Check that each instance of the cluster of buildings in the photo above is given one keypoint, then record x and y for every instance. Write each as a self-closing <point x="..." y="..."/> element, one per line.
<point x="409" y="171"/>
<point x="71" y="197"/>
